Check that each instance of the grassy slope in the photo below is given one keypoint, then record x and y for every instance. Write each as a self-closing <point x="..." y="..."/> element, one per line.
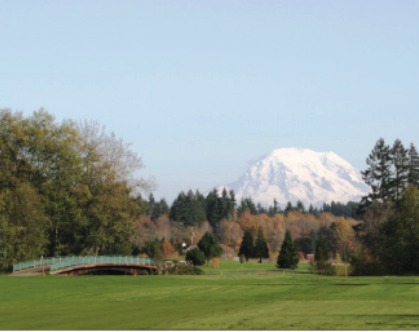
<point x="252" y="296"/>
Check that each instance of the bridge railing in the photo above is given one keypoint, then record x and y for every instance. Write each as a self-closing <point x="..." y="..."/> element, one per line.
<point x="34" y="263"/>
<point x="56" y="263"/>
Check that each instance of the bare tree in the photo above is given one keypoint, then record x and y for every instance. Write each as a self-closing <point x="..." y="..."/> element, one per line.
<point x="101" y="146"/>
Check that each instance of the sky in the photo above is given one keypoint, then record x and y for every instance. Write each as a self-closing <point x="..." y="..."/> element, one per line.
<point x="202" y="88"/>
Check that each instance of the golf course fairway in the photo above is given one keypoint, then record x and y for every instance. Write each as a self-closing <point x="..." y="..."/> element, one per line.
<point x="254" y="297"/>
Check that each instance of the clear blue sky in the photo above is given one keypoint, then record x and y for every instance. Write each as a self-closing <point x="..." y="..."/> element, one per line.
<point x="200" y="88"/>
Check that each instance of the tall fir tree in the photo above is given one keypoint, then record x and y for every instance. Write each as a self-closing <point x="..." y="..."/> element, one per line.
<point x="219" y="208"/>
<point x="261" y="247"/>
<point x="413" y="177"/>
<point x="377" y="175"/>
<point x="288" y="208"/>
<point x="300" y="207"/>
<point x="400" y="164"/>
<point x="274" y="209"/>
<point x="247" y="204"/>
<point x="321" y="254"/>
<point x="212" y="208"/>
<point x="189" y="208"/>
<point x="246" y="247"/>
<point x="288" y="256"/>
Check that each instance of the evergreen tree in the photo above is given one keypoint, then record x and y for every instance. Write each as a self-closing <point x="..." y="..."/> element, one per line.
<point x="224" y="205"/>
<point x="246" y="247"/>
<point x="288" y="256"/>
<point x="210" y="246"/>
<point x="413" y="174"/>
<point x="321" y="254"/>
<point x="152" y="208"/>
<point x="260" y="209"/>
<point x="176" y="212"/>
<point x="400" y="163"/>
<point x="212" y="208"/>
<point x="190" y="208"/>
<point x="300" y="207"/>
<point x="231" y="203"/>
<point x="162" y="208"/>
<point x="247" y="204"/>
<point x="386" y="232"/>
<point x="199" y="208"/>
<point x="273" y="210"/>
<point x="342" y="210"/>
<point x="288" y="208"/>
<point x="310" y="209"/>
<point x="196" y="256"/>
<point x="377" y="175"/>
<point x="261" y="248"/>
<point x="400" y="236"/>
<point x="219" y="208"/>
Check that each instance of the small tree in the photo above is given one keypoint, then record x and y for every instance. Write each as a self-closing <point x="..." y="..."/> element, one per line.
<point x="210" y="246"/>
<point x="196" y="256"/>
<point x="246" y="247"/>
<point x="153" y="249"/>
<point x="321" y="255"/>
<point x="288" y="256"/>
<point x="167" y="248"/>
<point x="261" y="248"/>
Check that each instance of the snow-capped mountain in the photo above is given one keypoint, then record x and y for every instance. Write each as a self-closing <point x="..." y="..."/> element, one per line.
<point x="291" y="174"/>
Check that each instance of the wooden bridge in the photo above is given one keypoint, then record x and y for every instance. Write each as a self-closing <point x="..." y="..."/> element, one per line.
<point x="83" y="265"/>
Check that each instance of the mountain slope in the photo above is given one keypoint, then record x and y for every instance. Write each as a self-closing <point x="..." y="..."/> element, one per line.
<point x="291" y="174"/>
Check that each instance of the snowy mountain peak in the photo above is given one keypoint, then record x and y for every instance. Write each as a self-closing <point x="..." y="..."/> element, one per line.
<point x="293" y="174"/>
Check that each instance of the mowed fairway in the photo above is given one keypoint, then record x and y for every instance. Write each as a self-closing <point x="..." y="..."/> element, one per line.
<point x="233" y="297"/>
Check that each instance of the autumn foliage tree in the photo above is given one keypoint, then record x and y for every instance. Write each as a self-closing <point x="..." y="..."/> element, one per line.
<point x="168" y="250"/>
<point x="64" y="189"/>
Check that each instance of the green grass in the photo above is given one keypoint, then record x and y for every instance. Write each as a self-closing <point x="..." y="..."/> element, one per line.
<point x="248" y="296"/>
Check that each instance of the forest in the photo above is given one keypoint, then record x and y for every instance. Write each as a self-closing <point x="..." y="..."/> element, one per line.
<point x="71" y="188"/>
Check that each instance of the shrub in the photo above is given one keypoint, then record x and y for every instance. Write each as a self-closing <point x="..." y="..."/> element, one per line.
<point x="196" y="256"/>
<point x="325" y="268"/>
<point x="184" y="270"/>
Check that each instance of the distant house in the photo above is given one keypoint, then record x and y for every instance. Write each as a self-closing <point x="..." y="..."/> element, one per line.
<point x="169" y="264"/>
<point x="310" y="257"/>
<point x="192" y="246"/>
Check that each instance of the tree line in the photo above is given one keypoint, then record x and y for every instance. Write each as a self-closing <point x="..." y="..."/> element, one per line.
<point x="389" y="232"/>
<point x="376" y="235"/>
<point x="69" y="189"/>
<point x="64" y="189"/>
